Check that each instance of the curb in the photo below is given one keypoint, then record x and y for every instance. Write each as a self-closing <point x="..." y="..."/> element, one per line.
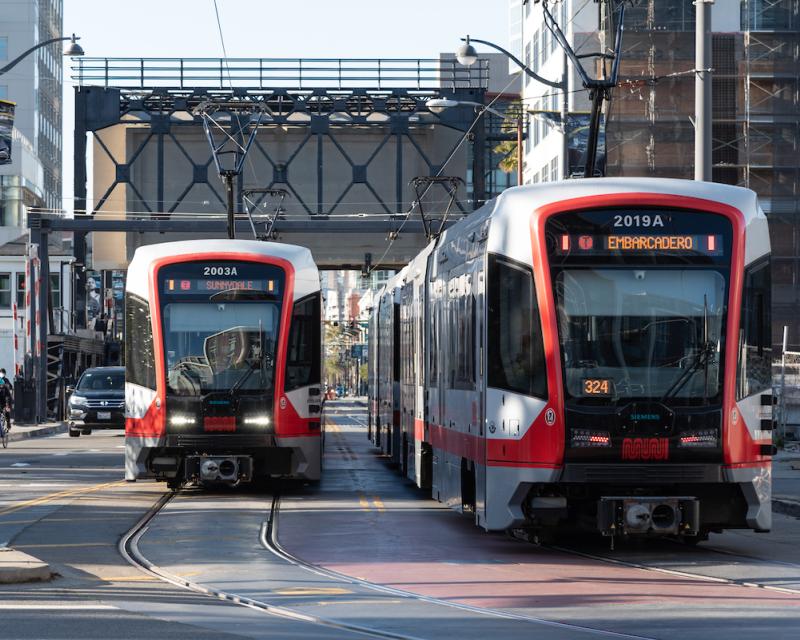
<point x="37" y="432"/>
<point x="16" y="567"/>
<point x="786" y="506"/>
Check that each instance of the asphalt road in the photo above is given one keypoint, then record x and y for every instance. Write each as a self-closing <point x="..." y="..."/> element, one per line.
<point x="390" y="562"/>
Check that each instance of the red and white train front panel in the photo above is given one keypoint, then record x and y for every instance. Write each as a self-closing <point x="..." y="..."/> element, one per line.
<point x="596" y="353"/>
<point x="223" y="356"/>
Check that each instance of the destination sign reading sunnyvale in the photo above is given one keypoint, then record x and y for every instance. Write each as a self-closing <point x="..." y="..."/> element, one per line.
<point x="211" y="285"/>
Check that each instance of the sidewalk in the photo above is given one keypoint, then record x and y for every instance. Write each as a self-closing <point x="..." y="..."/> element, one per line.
<point x="23" y="431"/>
<point x="16" y="567"/>
<point x="786" y="481"/>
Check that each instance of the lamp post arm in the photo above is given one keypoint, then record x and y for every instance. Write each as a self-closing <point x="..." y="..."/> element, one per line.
<point x="14" y="62"/>
<point x="518" y="62"/>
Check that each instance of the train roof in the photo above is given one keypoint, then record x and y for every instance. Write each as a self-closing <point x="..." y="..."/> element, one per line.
<point x="532" y="197"/>
<point x="300" y="257"/>
<point x="306" y="275"/>
<point x="506" y="218"/>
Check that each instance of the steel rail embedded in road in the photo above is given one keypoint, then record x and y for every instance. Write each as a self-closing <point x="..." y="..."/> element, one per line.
<point x="129" y="549"/>
<point x="269" y="539"/>
<point x="682" y="573"/>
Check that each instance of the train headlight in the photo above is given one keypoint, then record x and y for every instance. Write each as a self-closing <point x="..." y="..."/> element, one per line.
<point x="182" y="420"/>
<point x="257" y="421"/>
<point x="586" y="438"/>
<point x="702" y="438"/>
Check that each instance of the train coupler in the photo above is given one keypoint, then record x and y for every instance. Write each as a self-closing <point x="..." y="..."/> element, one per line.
<point x="230" y="469"/>
<point x="646" y="515"/>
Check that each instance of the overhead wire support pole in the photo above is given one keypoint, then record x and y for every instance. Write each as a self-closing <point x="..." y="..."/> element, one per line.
<point x="599" y="88"/>
<point x="702" y="92"/>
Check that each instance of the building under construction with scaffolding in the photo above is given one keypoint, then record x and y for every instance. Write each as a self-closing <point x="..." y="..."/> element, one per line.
<point x="756" y="115"/>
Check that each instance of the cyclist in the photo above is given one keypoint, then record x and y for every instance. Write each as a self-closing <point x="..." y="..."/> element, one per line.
<point x="6" y="397"/>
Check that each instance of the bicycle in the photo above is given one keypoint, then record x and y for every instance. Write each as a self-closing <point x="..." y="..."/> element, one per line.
<point x="3" y="430"/>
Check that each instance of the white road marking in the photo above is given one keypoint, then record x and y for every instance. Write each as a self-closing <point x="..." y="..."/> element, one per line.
<point x="21" y="464"/>
<point x="54" y="606"/>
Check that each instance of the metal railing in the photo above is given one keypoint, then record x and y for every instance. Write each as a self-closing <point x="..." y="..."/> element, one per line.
<point x="267" y="73"/>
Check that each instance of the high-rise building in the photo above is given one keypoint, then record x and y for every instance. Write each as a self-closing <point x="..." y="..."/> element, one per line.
<point x="547" y="156"/>
<point x="33" y="178"/>
<point x="34" y="84"/>
<point x="650" y="131"/>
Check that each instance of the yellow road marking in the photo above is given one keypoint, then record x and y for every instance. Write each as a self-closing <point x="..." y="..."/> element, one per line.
<point x="141" y="578"/>
<point x="311" y="591"/>
<point x="55" y="496"/>
<point x="364" y="503"/>
<point x="58" y="545"/>
<point x="379" y="504"/>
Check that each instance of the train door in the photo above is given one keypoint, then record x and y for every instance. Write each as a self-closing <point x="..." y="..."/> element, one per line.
<point x="479" y="469"/>
<point x="426" y="309"/>
<point x="407" y="383"/>
<point x="436" y="384"/>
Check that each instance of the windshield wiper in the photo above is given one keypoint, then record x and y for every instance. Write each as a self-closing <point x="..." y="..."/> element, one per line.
<point x="700" y="359"/>
<point x="262" y="357"/>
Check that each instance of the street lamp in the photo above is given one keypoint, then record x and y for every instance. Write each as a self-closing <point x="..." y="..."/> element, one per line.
<point x="599" y="88"/>
<point x="73" y="50"/>
<point x="467" y="55"/>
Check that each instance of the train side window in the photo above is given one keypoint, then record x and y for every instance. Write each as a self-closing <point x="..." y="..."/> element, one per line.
<point x="140" y="360"/>
<point x="434" y="346"/>
<point x="303" y="354"/>
<point x="754" y="373"/>
<point x="515" y="348"/>
<point x="396" y="342"/>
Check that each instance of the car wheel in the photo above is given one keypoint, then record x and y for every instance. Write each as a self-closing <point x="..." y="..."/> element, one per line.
<point x="86" y="432"/>
<point x="74" y="433"/>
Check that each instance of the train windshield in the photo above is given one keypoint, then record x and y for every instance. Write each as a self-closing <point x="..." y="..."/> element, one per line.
<point x="641" y="332"/>
<point x="221" y="326"/>
<point x="641" y="296"/>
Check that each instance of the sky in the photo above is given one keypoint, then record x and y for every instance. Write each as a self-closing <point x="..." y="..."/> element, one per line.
<point x="265" y="28"/>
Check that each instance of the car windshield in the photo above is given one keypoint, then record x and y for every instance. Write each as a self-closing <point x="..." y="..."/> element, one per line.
<point x="644" y="333"/>
<point x="220" y="346"/>
<point x="101" y="381"/>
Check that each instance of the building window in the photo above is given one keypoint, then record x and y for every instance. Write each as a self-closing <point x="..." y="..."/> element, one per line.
<point x="3" y="47"/>
<point x="55" y="290"/>
<point x="554" y="169"/>
<point x="527" y="60"/>
<point x="535" y="51"/>
<point x="20" y="292"/>
<point x="5" y="290"/>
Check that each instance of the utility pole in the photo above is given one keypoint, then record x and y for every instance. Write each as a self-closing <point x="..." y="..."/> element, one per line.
<point x="702" y="91"/>
<point x="228" y="177"/>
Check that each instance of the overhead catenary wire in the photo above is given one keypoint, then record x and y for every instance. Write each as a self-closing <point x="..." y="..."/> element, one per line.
<point x="393" y="236"/>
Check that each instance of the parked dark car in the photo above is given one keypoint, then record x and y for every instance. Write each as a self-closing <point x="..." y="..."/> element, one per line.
<point x="98" y="401"/>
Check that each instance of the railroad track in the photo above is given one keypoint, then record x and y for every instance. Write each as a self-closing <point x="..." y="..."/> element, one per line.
<point x="695" y="575"/>
<point x="129" y="549"/>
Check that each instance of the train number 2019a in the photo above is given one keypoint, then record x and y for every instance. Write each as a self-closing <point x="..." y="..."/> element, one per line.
<point x="637" y="220"/>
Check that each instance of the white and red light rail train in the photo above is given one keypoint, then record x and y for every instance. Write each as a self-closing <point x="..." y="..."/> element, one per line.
<point x="223" y="358"/>
<point x="586" y="354"/>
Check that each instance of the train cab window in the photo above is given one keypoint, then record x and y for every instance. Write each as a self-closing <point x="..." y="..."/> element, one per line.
<point x="303" y="356"/>
<point x="754" y="373"/>
<point x="140" y="362"/>
<point x="515" y="347"/>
